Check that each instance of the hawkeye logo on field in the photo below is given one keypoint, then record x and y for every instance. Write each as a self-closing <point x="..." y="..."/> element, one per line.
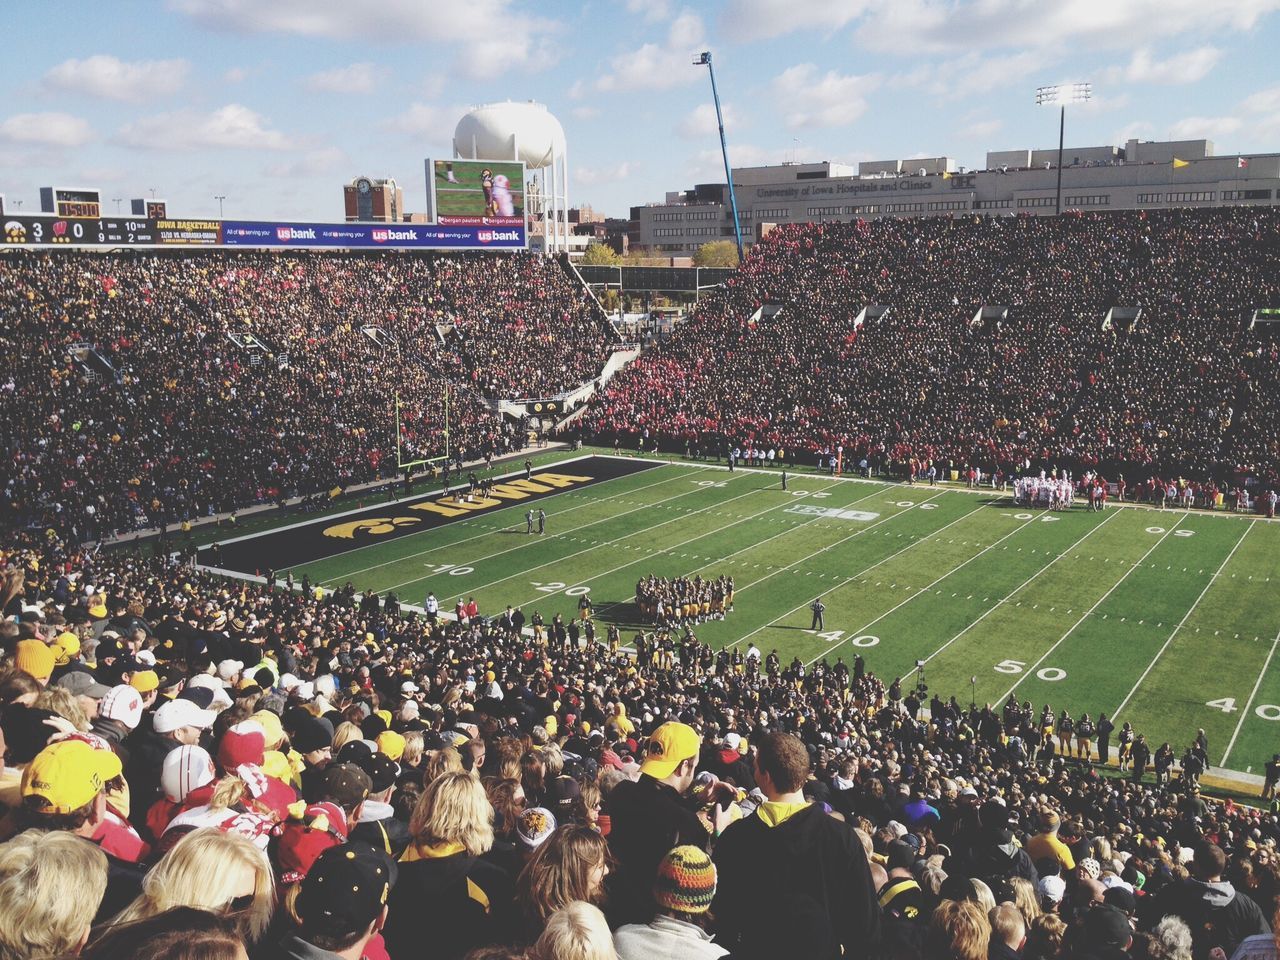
<point x="501" y="494"/>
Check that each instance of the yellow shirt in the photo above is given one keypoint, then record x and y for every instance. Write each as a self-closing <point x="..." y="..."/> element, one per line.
<point x="1047" y="845"/>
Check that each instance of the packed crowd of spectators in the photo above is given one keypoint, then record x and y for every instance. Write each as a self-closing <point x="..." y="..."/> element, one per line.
<point x="200" y="768"/>
<point x="184" y="422"/>
<point x="1186" y="388"/>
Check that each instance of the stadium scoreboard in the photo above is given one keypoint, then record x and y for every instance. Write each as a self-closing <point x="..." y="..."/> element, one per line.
<point x="74" y="202"/>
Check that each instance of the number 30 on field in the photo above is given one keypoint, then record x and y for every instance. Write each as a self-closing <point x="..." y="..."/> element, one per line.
<point x="1264" y="711"/>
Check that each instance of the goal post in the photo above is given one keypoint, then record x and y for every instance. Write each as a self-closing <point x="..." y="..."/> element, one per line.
<point x="402" y="464"/>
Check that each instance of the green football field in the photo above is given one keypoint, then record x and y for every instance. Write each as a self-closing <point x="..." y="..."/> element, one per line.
<point x="1166" y="619"/>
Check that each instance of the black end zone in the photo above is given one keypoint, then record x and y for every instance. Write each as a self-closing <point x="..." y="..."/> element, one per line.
<point x="318" y="539"/>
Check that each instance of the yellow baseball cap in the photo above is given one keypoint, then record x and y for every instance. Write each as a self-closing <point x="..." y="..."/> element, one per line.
<point x="391" y="744"/>
<point x="66" y="646"/>
<point x="144" y="681"/>
<point x="669" y="745"/>
<point x="68" y="775"/>
<point x="271" y="726"/>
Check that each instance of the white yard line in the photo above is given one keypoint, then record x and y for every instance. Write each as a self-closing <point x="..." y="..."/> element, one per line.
<point x="1182" y="622"/>
<point x="1018" y="589"/>
<point x="607" y="543"/>
<point x="925" y="589"/>
<point x="1253" y="693"/>
<point x="1084" y="616"/>
<point x="728" y="556"/>
<point x="515" y="505"/>
<point x="856" y="533"/>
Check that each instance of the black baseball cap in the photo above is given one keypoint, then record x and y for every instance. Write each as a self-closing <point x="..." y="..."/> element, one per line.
<point x="345" y="784"/>
<point x="345" y="890"/>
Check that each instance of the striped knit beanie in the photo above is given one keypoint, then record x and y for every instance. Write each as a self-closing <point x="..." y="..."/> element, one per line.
<point x="686" y="881"/>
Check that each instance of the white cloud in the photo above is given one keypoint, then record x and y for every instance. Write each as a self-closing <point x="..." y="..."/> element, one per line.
<point x="1264" y="101"/>
<point x="1188" y="67"/>
<point x="46" y="130"/>
<point x="1196" y="128"/>
<point x="915" y="25"/>
<point x="491" y="36"/>
<point x="814" y="99"/>
<point x="974" y="74"/>
<point x="982" y="130"/>
<point x="426" y="122"/>
<point x="700" y="122"/>
<point x="659" y="66"/>
<point x="585" y="113"/>
<point x="651" y="10"/>
<point x="355" y="78"/>
<point x="1138" y="130"/>
<point x="762" y="19"/>
<point x="233" y="127"/>
<point x="591" y="176"/>
<point x="236" y="75"/>
<point x="313" y="163"/>
<point x="114" y="79"/>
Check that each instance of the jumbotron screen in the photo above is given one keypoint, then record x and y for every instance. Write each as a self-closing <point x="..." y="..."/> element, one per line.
<point x="478" y="192"/>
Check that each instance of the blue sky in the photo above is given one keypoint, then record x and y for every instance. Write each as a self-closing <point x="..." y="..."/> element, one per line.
<point x="276" y="103"/>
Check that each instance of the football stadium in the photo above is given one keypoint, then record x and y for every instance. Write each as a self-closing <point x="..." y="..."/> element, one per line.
<point x="841" y="558"/>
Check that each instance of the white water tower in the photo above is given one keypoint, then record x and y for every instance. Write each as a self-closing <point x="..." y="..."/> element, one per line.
<point x="527" y="132"/>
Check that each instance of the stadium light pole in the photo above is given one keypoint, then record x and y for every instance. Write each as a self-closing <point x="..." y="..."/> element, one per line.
<point x="1060" y="95"/>
<point x="219" y="197"/>
<point x="699" y="60"/>
<point x="117" y="201"/>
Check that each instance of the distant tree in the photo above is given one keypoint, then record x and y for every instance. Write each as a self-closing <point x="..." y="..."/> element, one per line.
<point x="600" y="255"/>
<point x="717" y="253"/>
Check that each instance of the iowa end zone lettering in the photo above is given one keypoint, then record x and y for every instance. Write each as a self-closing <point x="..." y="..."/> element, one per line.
<point x="459" y="506"/>
<point x="307" y="542"/>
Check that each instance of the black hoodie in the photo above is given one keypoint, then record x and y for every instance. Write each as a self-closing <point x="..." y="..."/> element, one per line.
<point x="799" y="889"/>
<point x="446" y="906"/>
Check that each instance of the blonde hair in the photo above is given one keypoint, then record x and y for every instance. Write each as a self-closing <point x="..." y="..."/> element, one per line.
<point x="959" y="929"/>
<point x="197" y="873"/>
<point x="1025" y="899"/>
<point x="50" y="887"/>
<point x="453" y="808"/>
<point x="577" y="931"/>
<point x="446" y="760"/>
<point x="344" y="734"/>
<point x="64" y="703"/>
<point x="413" y="747"/>
<point x="1044" y="937"/>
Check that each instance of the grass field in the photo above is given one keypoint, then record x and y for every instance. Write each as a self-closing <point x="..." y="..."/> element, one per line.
<point x="1166" y="619"/>
<point x="466" y="197"/>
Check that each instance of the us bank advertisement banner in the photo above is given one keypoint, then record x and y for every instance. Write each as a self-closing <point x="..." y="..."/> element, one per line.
<point x="246" y="233"/>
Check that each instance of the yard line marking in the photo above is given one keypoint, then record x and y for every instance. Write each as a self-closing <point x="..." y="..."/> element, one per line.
<point x="923" y="590"/>
<point x="1005" y="599"/>
<point x="727" y="558"/>
<point x="513" y="506"/>
<point x="1084" y="616"/>
<point x="1253" y="693"/>
<point x="669" y="550"/>
<point x="851" y="578"/>
<point x="609" y="543"/>
<point x="1185" y="617"/>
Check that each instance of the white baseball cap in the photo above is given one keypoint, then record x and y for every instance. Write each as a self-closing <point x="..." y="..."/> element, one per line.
<point x="1052" y="888"/>
<point x="229" y="668"/>
<point x="185" y="769"/>
<point x="181" y="713"/>
<point x="122" y="703"/>
<point x="409" y="687"/>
